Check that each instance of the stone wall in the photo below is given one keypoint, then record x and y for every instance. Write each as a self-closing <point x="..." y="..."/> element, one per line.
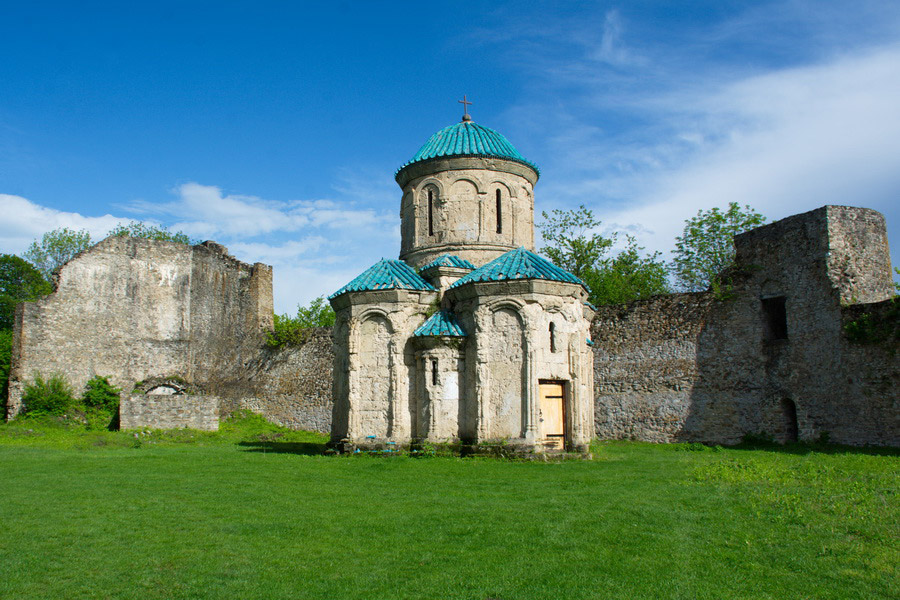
<point x="290" y="386"/>
<point x="133" y="309"/>
<point x="772" y="359"/>
<point x="175" y="411"/>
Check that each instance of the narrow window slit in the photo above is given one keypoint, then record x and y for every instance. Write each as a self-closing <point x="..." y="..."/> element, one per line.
<point x="499" y="214"/>
<point x="430" y="213"/>
<point x="434" y="371"/>
<point x="552" y="337"/>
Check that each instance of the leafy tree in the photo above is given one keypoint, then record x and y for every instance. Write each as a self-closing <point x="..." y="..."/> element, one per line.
<point x="295" y="330"/>
<point x="628" y="276"/>
<point x="706" y="248"/>
<point x="139" y="229"/>
<point x="19" y="282"/>
<point x="616" y="279"/>
<point x="56" y="248"/>
<point x="570" y="246"/>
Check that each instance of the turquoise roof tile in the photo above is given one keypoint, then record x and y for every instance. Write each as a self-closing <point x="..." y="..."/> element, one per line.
<point x="441" y="323"/>
<point x="518" y="264"/>
<point x="386" y="275"/>
<point x="468" y="139"/>
<point x="449" y="260"/>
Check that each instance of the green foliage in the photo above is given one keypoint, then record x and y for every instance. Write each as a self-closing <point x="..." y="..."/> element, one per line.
<point x="5" y="357"/>
<point x="51" y="396"/>
<point x="294" y="331"/>
<point x="571" y="244"/>
<point x="139" y="229"/>
<point x="616" y="279"/>
<point x="876" y="327"/>
<point x="706" y="247"/>
<point x="56" y="248"/>
<point x="628" y="276"/>
<point x="19" y="282"/>
<point x="100" y="394"/>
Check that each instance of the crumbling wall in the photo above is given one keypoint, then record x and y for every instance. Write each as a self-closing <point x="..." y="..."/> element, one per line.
<point x="131" y="309"/>
<point x="290" y="385"/>
<point x="771" y="358"/>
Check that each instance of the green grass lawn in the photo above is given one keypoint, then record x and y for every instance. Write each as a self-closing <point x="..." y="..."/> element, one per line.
<point x="255" y="512"/>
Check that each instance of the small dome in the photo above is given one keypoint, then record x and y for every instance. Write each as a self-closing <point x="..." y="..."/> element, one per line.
<point x="468" y="139"/>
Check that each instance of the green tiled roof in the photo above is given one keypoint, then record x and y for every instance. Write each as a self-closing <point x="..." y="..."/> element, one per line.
<point x="449" y="260"/>
<point x="468" y="139"/>
<point x="386" y="275"/>
<point x="441" y="323"/>
<point x="519" y="264"/>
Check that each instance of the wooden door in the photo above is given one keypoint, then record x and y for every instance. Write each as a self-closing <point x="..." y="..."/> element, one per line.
<point x="553" y="415"/>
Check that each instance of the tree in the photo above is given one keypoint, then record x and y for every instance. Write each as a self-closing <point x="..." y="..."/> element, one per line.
<point x="628" y="276"/>
<point x="570" y="247"/>
<point x="19" y="282"/>
<point x="616" y="279"/>
<point x="295" y="330"/>
<point x="706" y="248"/>
<point x="56" y="248"/>
<point x="139" y="229"/>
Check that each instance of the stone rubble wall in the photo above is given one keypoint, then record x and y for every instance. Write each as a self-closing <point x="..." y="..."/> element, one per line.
<point x="175" y="411"/>
<point x="290" y="386"/>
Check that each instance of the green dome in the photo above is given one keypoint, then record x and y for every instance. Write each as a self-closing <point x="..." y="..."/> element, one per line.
<point x="468" y="139"/>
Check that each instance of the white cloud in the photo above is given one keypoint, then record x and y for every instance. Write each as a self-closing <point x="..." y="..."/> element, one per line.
<point x="784" y="142"/>
<point x="24" y="221"/>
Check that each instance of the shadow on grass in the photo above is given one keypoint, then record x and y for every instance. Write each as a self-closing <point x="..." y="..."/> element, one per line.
<point x="802" y="448"/>
<point x="304" y="448"/>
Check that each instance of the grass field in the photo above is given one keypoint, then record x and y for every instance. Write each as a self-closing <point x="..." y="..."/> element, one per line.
<point x="255" y="512"/>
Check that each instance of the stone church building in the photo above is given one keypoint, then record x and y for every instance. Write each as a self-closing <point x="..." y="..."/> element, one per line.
<point x="470" y="335"/>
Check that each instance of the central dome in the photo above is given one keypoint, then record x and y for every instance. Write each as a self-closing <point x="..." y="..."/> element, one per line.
<point x="468" y="139"/>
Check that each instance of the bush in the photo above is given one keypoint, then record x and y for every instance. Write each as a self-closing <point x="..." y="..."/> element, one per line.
<point x="100" y="394"/>
<point x="51" y="396"/>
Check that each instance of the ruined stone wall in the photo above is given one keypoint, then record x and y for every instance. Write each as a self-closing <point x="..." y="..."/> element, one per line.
<point x="290" y="386"/>
<point x="692" y="367"/>
<point x="132" y="309"/>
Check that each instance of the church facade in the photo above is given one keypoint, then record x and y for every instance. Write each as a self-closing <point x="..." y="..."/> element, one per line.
<point x="470" y="336"/>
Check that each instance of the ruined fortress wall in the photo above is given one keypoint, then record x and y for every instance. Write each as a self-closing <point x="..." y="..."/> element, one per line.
<point x="645" y="366"/>
<point x="156" y="411"/>
<point x="290" y="386"/>
<point x="132" y="308"/>
<point x="697" y="368"/>
<point x="869" y="397"/>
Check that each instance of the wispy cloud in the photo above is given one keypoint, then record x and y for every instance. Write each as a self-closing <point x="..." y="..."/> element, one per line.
<point x="24" y="221"/>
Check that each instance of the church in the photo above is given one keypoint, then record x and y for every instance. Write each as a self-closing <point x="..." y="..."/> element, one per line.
<point x="470" y="336"/>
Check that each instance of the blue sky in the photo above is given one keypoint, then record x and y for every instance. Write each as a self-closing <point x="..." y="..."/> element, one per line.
<point x="275" y="128"/>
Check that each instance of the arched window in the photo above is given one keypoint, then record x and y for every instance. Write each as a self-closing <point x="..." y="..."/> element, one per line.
<point x="430" y="213"/>
<point x="552" y="337"/>
<point x="434" y="371"/>
<point x="499" y="214"/>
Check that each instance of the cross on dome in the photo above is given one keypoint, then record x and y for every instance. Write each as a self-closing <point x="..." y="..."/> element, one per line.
<point x="465" y="103"/>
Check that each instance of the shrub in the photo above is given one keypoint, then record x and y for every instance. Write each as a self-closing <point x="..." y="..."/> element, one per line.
<point x="295" y="331"/>
<point x="100" y="394"/>
<point x="51" y="396"/>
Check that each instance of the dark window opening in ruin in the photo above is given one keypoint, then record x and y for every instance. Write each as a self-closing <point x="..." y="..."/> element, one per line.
<point x="775" y="316"/>
<point x="552" y="337"/>
<point x="499" y="214"/>
<point x="430" y="213"/>
<point x="434" y="371"/>
<point x="791" y="431"/>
